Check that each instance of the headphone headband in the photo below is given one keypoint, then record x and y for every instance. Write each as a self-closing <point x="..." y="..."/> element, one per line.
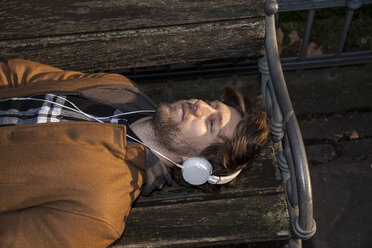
<point x="224" y="179"/>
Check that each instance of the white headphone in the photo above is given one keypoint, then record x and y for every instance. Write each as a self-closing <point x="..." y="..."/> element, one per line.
<point x="195" y="170"/>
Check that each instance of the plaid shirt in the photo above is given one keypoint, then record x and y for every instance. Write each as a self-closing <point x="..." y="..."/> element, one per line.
<point x="59" y="108"/>
<point x="30" y="111"/>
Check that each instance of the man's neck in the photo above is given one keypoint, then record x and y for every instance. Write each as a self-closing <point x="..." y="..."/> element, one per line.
<point x="145" y="131"/>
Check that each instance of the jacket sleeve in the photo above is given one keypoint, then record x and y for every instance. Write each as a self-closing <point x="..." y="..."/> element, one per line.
<point x="47" y="227"/>
<point x="67" y="184"/>
<point x="18" y="72"/>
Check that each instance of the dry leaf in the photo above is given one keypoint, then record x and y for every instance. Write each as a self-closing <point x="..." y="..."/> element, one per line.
<point x="293" y="36"/>
<point x="314" y="49"/>
<point x="354" y="135"/>
<point x="279" y="38"/>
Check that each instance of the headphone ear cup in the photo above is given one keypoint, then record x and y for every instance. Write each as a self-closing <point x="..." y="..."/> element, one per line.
<point x="196" y="171"/>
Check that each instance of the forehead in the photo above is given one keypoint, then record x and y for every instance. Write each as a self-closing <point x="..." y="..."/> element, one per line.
<point x="230" y="118"/>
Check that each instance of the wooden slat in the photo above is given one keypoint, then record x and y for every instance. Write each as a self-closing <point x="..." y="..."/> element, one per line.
<point x="263" y="178"/>
<point x="41" y="18"/>
<point x="142" y="47"/>
<point x="252" y="210"/>
<point x="236" y="220"/>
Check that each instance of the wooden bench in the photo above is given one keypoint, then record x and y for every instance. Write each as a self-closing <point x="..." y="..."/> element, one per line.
<point x="93" y="36"/>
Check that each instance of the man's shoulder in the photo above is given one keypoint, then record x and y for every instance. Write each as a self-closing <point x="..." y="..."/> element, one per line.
<point x="25" y="78"/>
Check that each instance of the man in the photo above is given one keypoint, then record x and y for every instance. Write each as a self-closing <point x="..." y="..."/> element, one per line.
<point x="77" y="149"/>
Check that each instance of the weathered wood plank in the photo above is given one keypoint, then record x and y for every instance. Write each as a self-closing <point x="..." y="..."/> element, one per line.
<point x="39" y="18"/>
<point x="262" y="178"/>
<point x="142" y="47"/>
<point x="237" y="220"/>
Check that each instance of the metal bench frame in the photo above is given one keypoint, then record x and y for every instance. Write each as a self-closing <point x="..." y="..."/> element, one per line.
<point x="291" y="153"/>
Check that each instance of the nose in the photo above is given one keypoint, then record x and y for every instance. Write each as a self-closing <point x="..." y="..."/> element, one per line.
<point x="200" y="108"/>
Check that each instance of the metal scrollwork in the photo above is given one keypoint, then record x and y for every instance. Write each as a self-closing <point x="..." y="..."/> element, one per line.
<point x="285" y="130"/>
<point x="272" y="106"/>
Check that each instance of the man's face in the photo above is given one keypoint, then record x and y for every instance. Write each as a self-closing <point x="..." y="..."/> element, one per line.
<point x="187" y="127"/>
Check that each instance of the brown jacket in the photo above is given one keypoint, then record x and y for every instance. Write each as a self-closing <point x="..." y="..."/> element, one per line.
<point x="68" y="184"/>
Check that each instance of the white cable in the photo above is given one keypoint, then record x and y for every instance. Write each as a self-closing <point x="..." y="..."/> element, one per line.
<point x="127" y="113"/>
<point x="105" y="117"/>
<point x="56" y="103"/>
<point x="77" y="110"/>
<point x="76" y="107"/>
<point x="152" y="149"/>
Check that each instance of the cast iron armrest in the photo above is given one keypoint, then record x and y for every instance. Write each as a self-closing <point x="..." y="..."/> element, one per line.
<point x="285" y="130"/>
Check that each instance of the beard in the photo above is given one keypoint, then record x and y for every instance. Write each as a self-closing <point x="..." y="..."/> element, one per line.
<point x="168" y="133"/>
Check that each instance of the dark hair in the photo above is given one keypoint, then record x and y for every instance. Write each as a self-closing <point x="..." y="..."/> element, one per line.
<point x="237" y="153"/>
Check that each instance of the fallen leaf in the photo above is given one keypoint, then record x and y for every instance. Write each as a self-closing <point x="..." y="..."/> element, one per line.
<point x="354" y="135"/>
<point x="293" y="36"/>
<point x="314" y="49"/>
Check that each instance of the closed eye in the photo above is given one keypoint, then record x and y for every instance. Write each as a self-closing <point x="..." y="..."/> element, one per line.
<point x="214" y="124"/>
